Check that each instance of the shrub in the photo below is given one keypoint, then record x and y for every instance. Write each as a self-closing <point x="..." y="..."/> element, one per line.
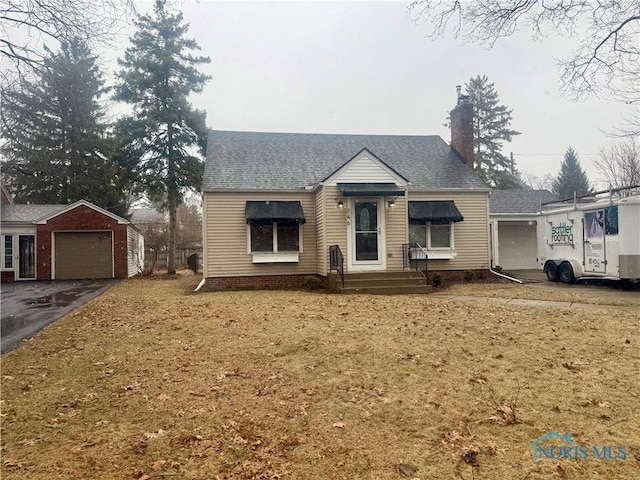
<point x="468" y="275"/>
<point x="311" y="282"/>
<point x="437" y="280"/>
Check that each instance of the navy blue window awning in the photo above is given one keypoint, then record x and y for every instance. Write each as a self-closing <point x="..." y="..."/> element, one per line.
<point x="437" y="211"/>
<point x="370" y="190"/>
<point x="265" y="212"/>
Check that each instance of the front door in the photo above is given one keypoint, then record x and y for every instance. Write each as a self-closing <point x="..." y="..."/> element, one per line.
<point x="367" y="246"/>
<point x="26" y="257"/>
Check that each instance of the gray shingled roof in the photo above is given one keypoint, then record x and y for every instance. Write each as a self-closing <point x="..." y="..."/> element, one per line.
<point x="140" y="216"/>
<point x="519" y="201"/>
<point x="27" y="213"/>
<point x="272" y="161"/>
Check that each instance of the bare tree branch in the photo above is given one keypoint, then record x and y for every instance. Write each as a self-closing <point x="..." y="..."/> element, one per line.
<point x="606" y="61"/>
<point x="619" y="164"/>
<point x="25" y="23"/>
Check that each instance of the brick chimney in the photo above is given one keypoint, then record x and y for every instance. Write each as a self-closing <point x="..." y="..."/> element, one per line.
<point x="462" y="128"/>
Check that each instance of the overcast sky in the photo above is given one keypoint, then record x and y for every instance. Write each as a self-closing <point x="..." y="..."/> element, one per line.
<point x="367" y="67"/>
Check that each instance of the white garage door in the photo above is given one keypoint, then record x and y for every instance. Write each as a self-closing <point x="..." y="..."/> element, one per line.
<point x="517" y="245"/>
<point x="83" y="255"/>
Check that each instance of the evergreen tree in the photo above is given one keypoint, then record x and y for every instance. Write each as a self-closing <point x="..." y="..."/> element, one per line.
<point x="159" y="72"/>
<point x="572" y="178"/>
<point x="490" y="131"/>
<point x="54" y="134"/>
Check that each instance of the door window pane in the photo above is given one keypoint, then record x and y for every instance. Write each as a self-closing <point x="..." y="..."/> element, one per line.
<point x="366" y="231"/>
<point x="8" y="252"/>
<point x="27" y="256"/>
<point x="366" y="246"/>
<point x="366" y="216"/>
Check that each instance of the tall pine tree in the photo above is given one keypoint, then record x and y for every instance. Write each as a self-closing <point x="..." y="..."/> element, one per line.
<point x="54" y="132"/>
<point x="571" y="179"/>
<point x="159" y="73"/>
<point x="490" y="130"/>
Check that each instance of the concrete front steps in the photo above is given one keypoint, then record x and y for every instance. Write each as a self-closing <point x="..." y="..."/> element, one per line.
<point x="380" y="283"/>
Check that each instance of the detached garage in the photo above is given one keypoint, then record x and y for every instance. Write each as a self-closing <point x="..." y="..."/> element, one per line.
<point x="513" y="219"/>
<point x="68" y="242"/>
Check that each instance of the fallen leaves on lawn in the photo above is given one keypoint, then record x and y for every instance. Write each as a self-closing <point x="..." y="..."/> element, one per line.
<point x="406" y="469"/>
<point x="296" y="385"/>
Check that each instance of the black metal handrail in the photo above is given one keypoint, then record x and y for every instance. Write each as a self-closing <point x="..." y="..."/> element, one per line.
<point x="336" y="261"/>
<point x="413" y="257"/>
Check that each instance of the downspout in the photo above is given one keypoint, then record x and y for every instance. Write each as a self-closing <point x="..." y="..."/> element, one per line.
<point x="502" y="275"/>
<point x="201" y="284"/>
<point x="204" y="244"/>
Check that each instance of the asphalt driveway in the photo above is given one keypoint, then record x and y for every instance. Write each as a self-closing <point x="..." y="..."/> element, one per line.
<point x="27" y="307"/>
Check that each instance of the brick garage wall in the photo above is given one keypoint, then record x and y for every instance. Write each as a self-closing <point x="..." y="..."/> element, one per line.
<point x="262" y="282"/>
<point x="8" y="276"/>
<point x="79" y="219"/>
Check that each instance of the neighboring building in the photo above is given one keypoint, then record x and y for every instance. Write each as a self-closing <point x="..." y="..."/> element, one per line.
<point x="5" y="198"/>
<point x="514" y="215"/>
<point x="154" y="225"/>
<point x="63" y="242"/>
<point x="274" y="204"/>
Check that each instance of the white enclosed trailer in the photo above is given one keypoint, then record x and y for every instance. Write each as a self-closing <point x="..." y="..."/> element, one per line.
<point x="599" y="238"/>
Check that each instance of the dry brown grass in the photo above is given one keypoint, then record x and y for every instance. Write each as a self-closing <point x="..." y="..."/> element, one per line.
<point x="150" y="381"/>
<point x="593" y="295"/>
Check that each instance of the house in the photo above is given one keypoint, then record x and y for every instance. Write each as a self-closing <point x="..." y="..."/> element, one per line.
<point x="275" y="204"/>
<point x="514" y="214"/>
<point x="64" y="242"/>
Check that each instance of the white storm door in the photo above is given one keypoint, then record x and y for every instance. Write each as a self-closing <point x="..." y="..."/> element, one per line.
<point x="366" y="237"/>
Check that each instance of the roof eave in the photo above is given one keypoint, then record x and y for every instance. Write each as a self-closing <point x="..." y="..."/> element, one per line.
<point x="67" y="208"/>
<point x="449" y="189"/>
<point x="18" y="223"/>
<point x="301" y="190"/>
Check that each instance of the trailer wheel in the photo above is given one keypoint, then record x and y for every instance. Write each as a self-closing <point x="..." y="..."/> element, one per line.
<point x="566" y="273"/>
<point x="552" y="271"/>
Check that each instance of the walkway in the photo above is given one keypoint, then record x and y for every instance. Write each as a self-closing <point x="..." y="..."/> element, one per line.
<point x="531" y="303"/>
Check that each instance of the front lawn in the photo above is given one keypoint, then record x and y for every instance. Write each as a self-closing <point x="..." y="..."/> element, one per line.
<point x="151" y="381"/>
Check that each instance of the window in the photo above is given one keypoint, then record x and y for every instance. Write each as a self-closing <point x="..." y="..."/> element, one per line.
<point x="273" y="232"/>
<point x="431" y="226"/>
<point x="275" y="242"/>
<point x="7" y="252"/>
<point x="436" y="238"/>
<point x="288" y="237"/>
<point x="262" y="238"/>
<point x="418" y="234"/>
<point x="440" y="236"/>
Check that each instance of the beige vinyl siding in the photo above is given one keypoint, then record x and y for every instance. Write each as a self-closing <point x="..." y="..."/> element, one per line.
<point x="336" y="223"/>
<point x="135" y="251"/>
<point x="226" y="236"/>
<point x="322" y="249"/>
<point x="363" y="170"/>
<point x="471" y="236"/>
<point x="396" y="232"/>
